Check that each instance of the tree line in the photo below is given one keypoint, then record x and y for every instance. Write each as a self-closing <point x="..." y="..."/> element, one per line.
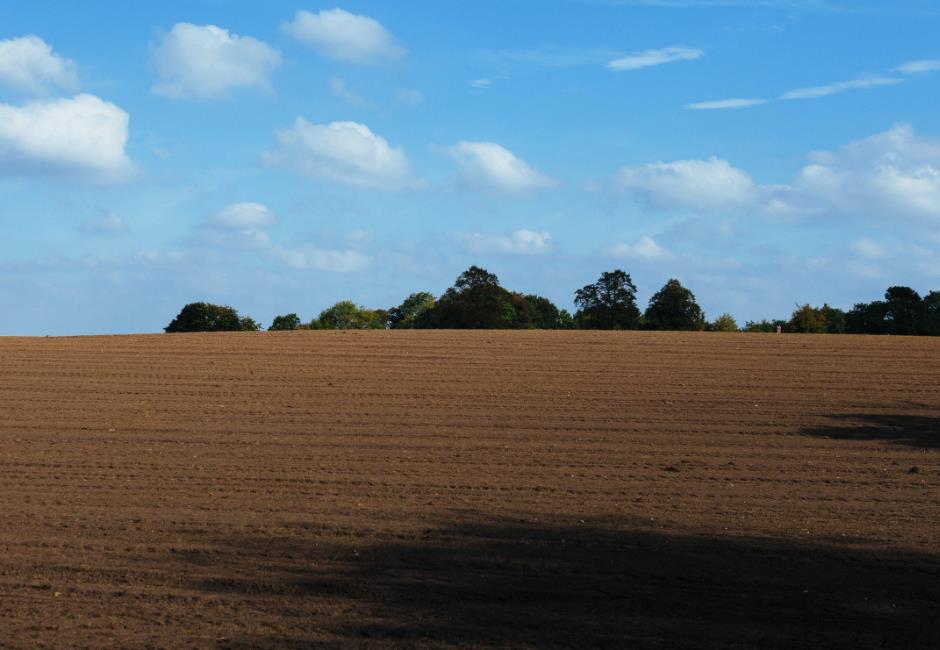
<point x="478" y="301"/>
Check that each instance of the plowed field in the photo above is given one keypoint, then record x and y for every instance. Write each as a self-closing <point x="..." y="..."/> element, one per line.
<point x="470" y="489"/>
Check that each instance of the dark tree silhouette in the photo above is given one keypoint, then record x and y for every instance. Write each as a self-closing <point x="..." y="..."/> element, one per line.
<point x="674" y="308"/>
<point x="206" y="317"/>
<point x="609" y="303"/>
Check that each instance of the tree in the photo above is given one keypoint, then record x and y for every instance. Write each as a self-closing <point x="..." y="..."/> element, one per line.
<point x="347" y="315"/>
<point x="609" y="303"/>
<point x="476" y="301"/>
<point x="724" y="323"/>
<point x="673" y="308"/>
<point x="285" y="323"/>
<point x="906" y="311"/>
<point x="547" y="315"/>
<point x="932" y="314"/>
<point x="412" y="312"/>
<point x="206" y="317"/>
<point x="249" y="324"/>
<point x="807" y="320"/>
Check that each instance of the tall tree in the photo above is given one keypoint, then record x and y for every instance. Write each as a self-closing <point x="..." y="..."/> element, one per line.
<point x="609" y="303"/>
<point x="674" y="308"/>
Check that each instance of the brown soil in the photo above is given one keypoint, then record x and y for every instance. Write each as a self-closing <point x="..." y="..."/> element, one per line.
<point x="470" y="489"/>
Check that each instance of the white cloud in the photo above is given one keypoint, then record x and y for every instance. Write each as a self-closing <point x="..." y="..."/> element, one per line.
<point x="699" y="185"/>
<point x="862" y="83"/>
<point x="480" y="84"/>
<point x="339" y="89"/>
<point x="892" y="174"/>
<point x="344" y="36"/>
<point x="29" y="65"/>
<point x="919" y="67"/>
<point x="345" y="152"/>
<point x="868" y="248"/>
<point x="208" y="62"/>
<point x="83" y="137"/>
<point x="725" y="104"/>
<point x="489" y="166"/>
<point x="647" y="58"/>
<point x="311" y="257"/>
<point x="645" y="248"/>
<point x="239" y="225"/>
<point x="524" y="242"/>
<point x="244" y="215"/>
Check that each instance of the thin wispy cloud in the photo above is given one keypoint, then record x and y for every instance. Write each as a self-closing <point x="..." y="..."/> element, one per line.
<point x="920" y="66"/>
<point x="480" y="84"/>
<point x="649" y="58"/>
<point x="338" y="88"/>
<point x="724" y="104"/>
<point x="862" y="83"/>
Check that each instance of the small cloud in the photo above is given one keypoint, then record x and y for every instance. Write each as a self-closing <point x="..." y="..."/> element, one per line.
<point x="480" y="84"/>
<point x="920" y="66"/>
<point x="648" y="58"/>
<point x="339" y="89"/>
<point x="239" y="225"/>
<point x="722" y="104"/>
<point x="699" y="185"/>
<point x="83" y="137"/>
<point x="207" y="62"/>
<point x="407" y="97"/>
<point x="109" y="224"/>
<point x="244" y="215"/>
<point x="345" y="152"/>
<point x="489" y="166"/>
<point x="29" y="65"/>
<point x="520" y="242"/>
<point x="868" y="248"/>
<point x="344" y="36"/>
<point x="645" y="249"/>
<point x="311" y="257"/>
<point x="862" y="83"/>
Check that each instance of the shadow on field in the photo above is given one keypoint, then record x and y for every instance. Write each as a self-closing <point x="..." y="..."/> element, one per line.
<point x="913" y="430"/>
<point x="514" y="584"/>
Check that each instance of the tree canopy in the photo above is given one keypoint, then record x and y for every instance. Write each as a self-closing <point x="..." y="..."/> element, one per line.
<point x="206" y="317"/>
<point x="608" y="304"/>
<point x="673" y="308"/>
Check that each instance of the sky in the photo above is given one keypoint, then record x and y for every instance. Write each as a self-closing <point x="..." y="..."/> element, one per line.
<point x="281" y="156"/>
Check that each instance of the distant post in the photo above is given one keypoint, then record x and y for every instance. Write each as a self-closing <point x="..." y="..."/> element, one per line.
<point x="779" y="329"/>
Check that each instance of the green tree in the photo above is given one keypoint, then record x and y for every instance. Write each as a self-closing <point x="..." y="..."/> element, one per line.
<point x="932" y="314"/>
<point x="476" y="301"/>
<point x="249" y="324"/>
<point x="674" y="308"/>
<point x="807" y="320"/>
<point x="347" y="315"/>
<point x="206" y="317"/>
<point x="724" y="323"/>
<point x="608" y="304"/>
<point x="547" y="315"/>
<point x="906" y="311"/>
<point x="412" y="311"/>
<point x="285" y="323"/>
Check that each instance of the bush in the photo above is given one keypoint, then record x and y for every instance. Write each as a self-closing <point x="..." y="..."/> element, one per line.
<point x="724" y="323"/>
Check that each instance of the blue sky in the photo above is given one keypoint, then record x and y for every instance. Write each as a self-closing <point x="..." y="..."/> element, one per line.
<point x="281" y="156"/>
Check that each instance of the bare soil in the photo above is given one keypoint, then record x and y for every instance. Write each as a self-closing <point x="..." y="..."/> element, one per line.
<point x="471" y="489"/>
